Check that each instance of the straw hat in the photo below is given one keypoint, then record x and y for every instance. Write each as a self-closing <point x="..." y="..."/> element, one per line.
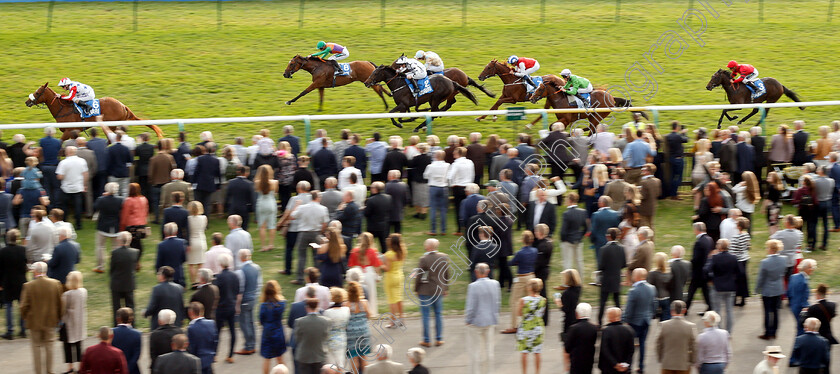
<point x="774" y="351"/>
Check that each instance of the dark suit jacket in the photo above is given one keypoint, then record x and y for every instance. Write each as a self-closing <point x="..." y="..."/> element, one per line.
<point x="160" y="341"/>
<point x="680" y="273"/>
<point x="746" y="158"/>
<point x="602" y="220"/>
<point x="361" y="157"/>
<point x="476" y="154"/>
<point x="172" y="252"/>
<point x="324" y="164"/>
<point x="109" y="208"/>
<point x="103" y="358"/>
<point x="800" y="142"/>
<point x="13" y="271"/>
<point x="118" y="158"/>
<point x="723" y="270"/>
<point x="825" y="311"/>
<point x="758" y="143"/>
<point x="351" y="220"/>
<point x="240" y="196"/>
<point x="810" y="351"/>
<point x="64" y="259"/>
<point x="311" y="333"/>
<point x="293" y="141"/>
<point x="128" y="340"/>
<point x="548" y="217"/>
<point x="178" y="362"/>
<point x="123" y="266"/>
<point x="6" y="215"/>
<point x="545" y="248"/>
<point x="144" y="153"/>
<point x="399" y="198"/>
<point x="617" y="340"/>
<point x="180" y="160"/>
<point x="729" y="157"/>
<point x="555" y="145"/>
<point x="177" y="214"/>
<point x="651" y="190"/>
<point x="613" y="259"/>
<point x="395" y="160"/>
<point x="702" y="246"/>
<point x="432" y="280"/>
<point x="207" y="295"/>
<point x="207" y="173"/>
<point x="228" y="284"/>
<point x="378" y="211"/>
<point x="166" y="295"/>
<point x="204" y="339"/>
<point x="582" y="351"/>
<point x="574" y="226"/>
<point x="297" y="310"/>
<point x="515" y="165"/>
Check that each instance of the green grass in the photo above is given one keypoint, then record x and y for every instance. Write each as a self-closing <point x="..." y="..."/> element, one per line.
<point x="179" y="66"/>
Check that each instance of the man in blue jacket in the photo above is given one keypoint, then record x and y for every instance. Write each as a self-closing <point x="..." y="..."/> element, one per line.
<point x="202" y="336"/>
<point x="603" y="219"/>
<point x="798" y="290"/>
<point x="298" y="310"/>
<point x="723" y="270"/>
<point x="811" y="352"/>
<point x="127" y="339"/>
<point x="641" y="304"/>
<point x="64" y="258"/>
<point x="172" y="252"/>
<point x="771" y="286"/>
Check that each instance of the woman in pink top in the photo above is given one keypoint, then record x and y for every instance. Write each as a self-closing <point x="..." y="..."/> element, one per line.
<point x="135" y="211"/>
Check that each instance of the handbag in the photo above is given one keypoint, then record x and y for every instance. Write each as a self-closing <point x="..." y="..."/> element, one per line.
<point x="138" y="232"/>
<point x="62" y="332"/>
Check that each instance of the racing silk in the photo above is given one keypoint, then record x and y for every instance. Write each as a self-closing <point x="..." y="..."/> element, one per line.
<point x="413" y="69"/>
<point x="575" y="83"/>
<point x="742" y="71"/>
<point x="525" y="64"/>
<point x="331" y="48"/>
<point x="79" y="92"/>
<point x="433" y="62"/>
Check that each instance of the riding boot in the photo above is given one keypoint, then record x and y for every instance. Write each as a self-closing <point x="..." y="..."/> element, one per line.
<point x="527" y="78"/>
<point x="335" y="65"/>
<point x="415" y="88"/>
<point x="583" y="99"/>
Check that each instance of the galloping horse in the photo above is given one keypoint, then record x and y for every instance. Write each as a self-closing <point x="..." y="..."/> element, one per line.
<point x="550" y="90"/>
<point x="64" y="111"/>
<point x="443" y="88"/>
<point x="740" y="94"/>
<point x="515" y="90"/>
<point x="458" y="76"/>
<point x="323" y="76"/>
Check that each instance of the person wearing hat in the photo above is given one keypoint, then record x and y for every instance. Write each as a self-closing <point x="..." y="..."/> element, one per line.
<point x="770" y="364"/>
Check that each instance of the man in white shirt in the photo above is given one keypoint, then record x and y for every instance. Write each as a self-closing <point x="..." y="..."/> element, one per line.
<point x="347" y="164"/>
<point x="211" y="257"/>
<point x="313" y="275"/>
<point x="57" y="218"/>
<point x="436" y="173"/>
<point x="603" y="140"/>
<point x="770" y="364"/>
<point x="358" y="188"/>
<point x="73" y="172"/>
<point x="312" y="219"/>
<point x="729" y="227"/>
<point x="461" y="173"/>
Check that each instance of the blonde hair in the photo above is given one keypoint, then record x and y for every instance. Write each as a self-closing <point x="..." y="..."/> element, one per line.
<point x="703" y="145"/>
<point x="338" y="295"/>
<point x="31" y="161"/>
<point x="660" y="262"/>
<point x="615" y="155"/>
<point x="753" y="193"/>
<point x="776" y="180"/>
<point x="195" y="208"/>
<point x="535" y="285"/>
<point x="335" y="246"/>
<point x="74" y="280"/>
<point x="571" y="278"/>
<point x="365" y="243"/>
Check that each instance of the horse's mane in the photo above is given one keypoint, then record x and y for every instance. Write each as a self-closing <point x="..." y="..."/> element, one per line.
<point x="554" y="80"/>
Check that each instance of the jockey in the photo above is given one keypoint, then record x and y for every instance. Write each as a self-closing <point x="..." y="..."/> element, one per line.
<point x="335" y="52"/>
<point x="79" y="93"/>
<point x="434" y="65"/>
<point x="524" y="67"/>
<point x="413" y="70"/>
<point x="743" y="73"/>
<point x="577" y="86"/>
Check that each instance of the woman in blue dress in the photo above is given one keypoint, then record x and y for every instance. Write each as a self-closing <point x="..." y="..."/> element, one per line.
<point x="273" y="343"/>
<point x="358" y="333"/>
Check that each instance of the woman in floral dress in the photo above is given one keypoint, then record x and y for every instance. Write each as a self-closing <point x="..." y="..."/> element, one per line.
<point x="339" y="315"/>
<point x="530" y="334"/>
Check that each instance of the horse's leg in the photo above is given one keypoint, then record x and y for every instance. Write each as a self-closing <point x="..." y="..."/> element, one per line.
<point x="534" y="122"/>
<point x="766" y="112"/>
<point x="502" y="100"/>
<point x="304" y="92"/>
<point x="399" y="108"/>
<point x="449" y="104"/>
<point x="320" y="99"/>
<point x="434" y="107"/>
<point x="754" y="111"/>
<point x="380" y="91"/>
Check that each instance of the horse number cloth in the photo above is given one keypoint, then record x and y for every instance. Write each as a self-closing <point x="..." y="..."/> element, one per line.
<point x="537" y="81"/>
<point x="760" y="89"/>
<point x="344" y="69"/>
<point x="425" y="87"/>
<point x="91" y="110"/>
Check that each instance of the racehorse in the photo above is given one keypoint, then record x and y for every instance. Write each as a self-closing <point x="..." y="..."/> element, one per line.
<point x="458" y="76"/>
<point x="514" y="91"/>
<point x="64" y="111"/>
<point x="443" y="91"/>
<point x="550" y="90"/>
<point x="323" y="76"/>
<point x="740" y="94"/>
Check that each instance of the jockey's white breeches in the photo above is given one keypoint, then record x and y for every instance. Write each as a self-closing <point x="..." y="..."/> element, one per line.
<point x="84" y="96"/>
<point x="529" y="71"/>
<point x="340" y="56"/>
<point x="586" y="90"/>
<point x="752" y="76"/>
<point x="434" y="69"/>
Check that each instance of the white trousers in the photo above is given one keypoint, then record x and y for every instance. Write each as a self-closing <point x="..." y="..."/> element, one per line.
<point x="572" y="254"/>
<point x="480" y="343"/>
<point x="340" y="56"/>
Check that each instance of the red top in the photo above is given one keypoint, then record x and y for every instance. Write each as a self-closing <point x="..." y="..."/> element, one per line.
<point x="529" y="62"/>
<point x="371" y="254"/>
<point x="742" y="71"/>
<point x="105" y="359"/>
<point x="134" y="212"/>
<point x="70" y="95"/>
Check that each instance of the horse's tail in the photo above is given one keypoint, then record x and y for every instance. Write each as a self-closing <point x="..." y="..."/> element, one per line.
<point x="792" y="95"/>
<point x="130" y="116"/>
<point x="464" y="91"/>
<point x="480" y="87"/>
<point x="625" y="103"/>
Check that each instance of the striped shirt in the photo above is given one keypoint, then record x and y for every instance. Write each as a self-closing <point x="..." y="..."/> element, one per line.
<point x="739" y="246"/>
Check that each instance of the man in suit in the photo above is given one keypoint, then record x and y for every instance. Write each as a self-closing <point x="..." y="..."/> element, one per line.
<point x="127" y="339"/>
<point x="384" y="363"/>
<point x="41" y="306"/>
<point x="703" y="245"/>
<point x="398" y="190"/>
<point x="641" y="305"/>
<point x="746" y="156"/>
<point x="166" y="295"/>
<point x="602" y="220"/>
<point x="615" y="188"/>
<point x="230" y="299"/>
<point x="798" y="290"/>
<point x="203" y="337"/>
<point x="207" y="177"/>
<point x="728" y="155"/>
<point x="771" y="286"/>
<point x="358" y="153"/>
<point x="675" y="140"/>
<point x="574" y="227"/>
<point x="240" y="196"/>
<point x="160" y="340"/>
<point x="542" y="211"/>
<point x="124" y="264"/>
<point x="651" y="188"/>
<point x="177" y="214"/>
<point x="722" y="269"/>
<point x="311" y="333"/>
<point x="182" y="151"/>
<point x="348" y="215"/>
<point x="469" y="206"/>
<point x="800" y="144"/>
<point x="298" y="310"/>
<point x="811" y="352"/>
<point x="177" y="184"/>
<point x="177" y="361"/>
<point x="476" y="153"/>
<point x="118" y="161"/>
<point x="529" y="182"/>
<point x="288" y="137"/>
<point x="791" y="239"/>
<point x="103" y="357"/>
<point x="617" y="345"/>
<point x="64" y="258"/>
<point x="238" y="239"/>
<point x="430" y="288"/>
<point x="680" y="273"/>
<point x="13" y="270"/>
<point x="378" y="212"/>
<point x="172" y="252"/>
<point x="324" y="163"/>
<point x="824" y="311"/>
<point x="612" y="261"/>
<point x="758" y="143"/>
<point x="675" y="343"/>
<point x="100" y="174"/>
<point x="644" y="251"/>
<point x="579" y="344"/>
<point x="481" y="313"/>
<point x="109" y="206"/>
<point x="481" y="248"/>
<point x="555" y="147"/>
<point x="207" y="293"/>
<point x="331" y="197"/>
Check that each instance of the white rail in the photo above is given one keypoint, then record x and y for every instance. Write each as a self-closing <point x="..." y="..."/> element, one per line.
<point x="361" y="116"/>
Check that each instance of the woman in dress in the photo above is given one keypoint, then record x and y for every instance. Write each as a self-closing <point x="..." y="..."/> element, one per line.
<point x="660" y="277"/>
<point x="133" y="216"/>
<point x="330" y="259"/>
<point x="366" y="257"/>
<point x="747" y="194"/>
<point x="285" y="174"/>
<point x="394" y="276"/>
<point x="266" y="208"/>
<point x="740" y="247"/>
<point x="197" y="222"/>
<point x="629" y="224"/>
<point x="569" y="298"/>
<point x="358" y="333"/>
<point x="339" y="315"/>
<point x="273" y="343"/>
<point x="805" y="198"/>
<point x="74" y="318"/>
<point x="530" y="334"/>
<point x="701" y="157"/>
<point x="781" y="147"/>
<point x="708" y="212"/>
<point x="772" y="203"/>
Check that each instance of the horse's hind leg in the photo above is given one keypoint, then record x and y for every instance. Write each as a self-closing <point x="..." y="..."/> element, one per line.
<point x="320" y="99"/>
<point x="399" y="108"/>
<point x="448" y="105"/>
<point x="754" y="111"/>
<point x="502" y="100"/>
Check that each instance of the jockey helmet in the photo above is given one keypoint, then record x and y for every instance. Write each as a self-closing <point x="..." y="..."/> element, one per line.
<point x="420" y="55"/>
<point x="64" y="82"/>
<point x="513" y="59"/>
<point x="565" y="73"/>
<point x="402" y="60"/>
<point x="321" y="45"/>
<point x="732" y="64"/>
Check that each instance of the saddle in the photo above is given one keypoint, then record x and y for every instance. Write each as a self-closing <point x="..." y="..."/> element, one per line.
<point x="530" y="89"/>
<point x="424" y="87"/>
<point x="90" y="109"/>
<point x="343" y="69"/>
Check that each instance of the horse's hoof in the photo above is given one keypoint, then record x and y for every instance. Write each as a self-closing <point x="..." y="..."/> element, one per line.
<point x="495" y="118"/>
<point x="478" y="119"/>
<point x="733" y="118"/>
<point x="399" y="125"/>
<point x="528" y="126"/>
<point x="288" y="103"/>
